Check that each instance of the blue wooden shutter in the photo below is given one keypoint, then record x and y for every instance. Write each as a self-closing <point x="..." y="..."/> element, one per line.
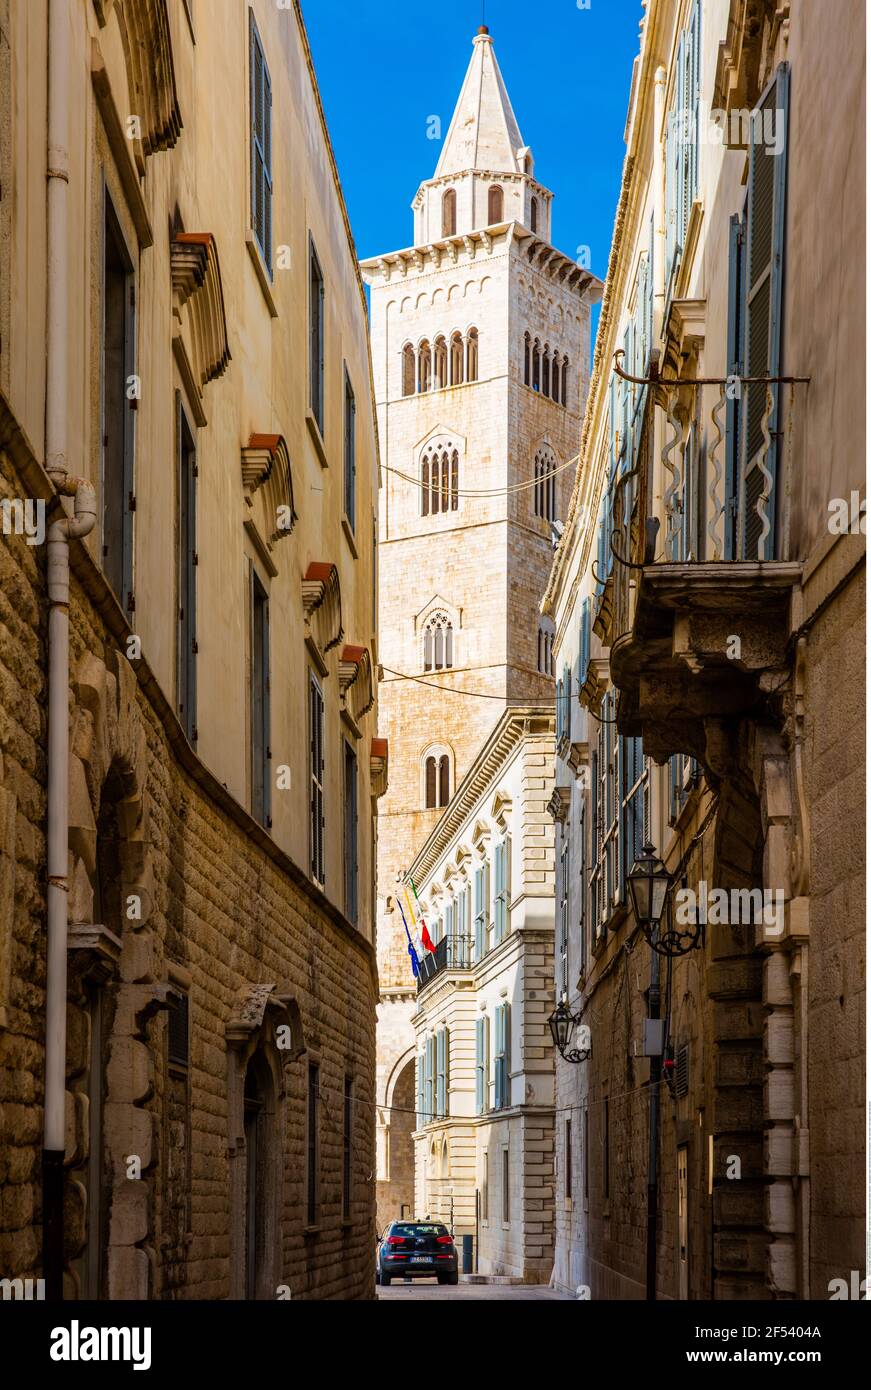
<point x="479" y="1066"/>
<point x="763" y="305"/>
<point x="506" y="884"/>
<point x="440" y="1073"/>
<point x="479" y="913"/>
<point x="497" y="1050"/>
<point x="421" y="1088"/>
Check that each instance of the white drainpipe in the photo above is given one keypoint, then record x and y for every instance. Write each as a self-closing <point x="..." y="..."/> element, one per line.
<point x="60" y="533"/>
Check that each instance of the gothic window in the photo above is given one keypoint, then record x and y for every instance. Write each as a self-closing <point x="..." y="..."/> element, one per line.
<point x="408" y="370"/>
<point x="495" y="205"/>
<point x="527" y="360"/>
<point x="545" y="371"/>
<point x="437" y="780"/>
<point x="456" y="359"/>
<point x="423" y="366"/>
<point x="472" y="355"/>
<point x="449" y="212"/>
<point x="440" y="363"/>
<point x="438" y="643"/>
<point x="536" y="366"/>
<point x="565" y="382"/>
<point x="439" y="479"/>
<point x="533" y="215"/>
<point x="544" y="494"/>
<point x="553" y="385"/>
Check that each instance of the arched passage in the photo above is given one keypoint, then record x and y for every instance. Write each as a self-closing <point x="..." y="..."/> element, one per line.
<point x="395" y="1192"/>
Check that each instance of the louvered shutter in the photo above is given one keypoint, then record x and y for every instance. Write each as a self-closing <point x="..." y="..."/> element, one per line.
<point x="447" y="1071"/>
<point x="261" y="146"/>
<point x="506" y="1054"/>
<point x="766" y="218"/>
<point x="421" y="1088"/>
<point x="735" y="367"/>
<point x="479" y="913"/>
<point x="440" y="1073"/>
<point x="497" y="1049"/>
<point x="479" y="1066"/>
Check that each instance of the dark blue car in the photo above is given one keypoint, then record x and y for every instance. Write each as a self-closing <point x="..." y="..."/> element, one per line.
<point x="417" y="1250"/>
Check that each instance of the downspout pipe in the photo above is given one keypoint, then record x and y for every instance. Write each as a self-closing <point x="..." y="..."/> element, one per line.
<point x="653" y="1009"/>
<point x="61" y="531"/>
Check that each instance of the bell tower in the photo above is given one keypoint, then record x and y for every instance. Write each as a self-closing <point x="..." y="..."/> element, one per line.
<point x="480" y="346"/>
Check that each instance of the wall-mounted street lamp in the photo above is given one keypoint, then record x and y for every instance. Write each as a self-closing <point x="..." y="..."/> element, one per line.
<point x="562" y="1024"/>
<point x="650" y="886"/>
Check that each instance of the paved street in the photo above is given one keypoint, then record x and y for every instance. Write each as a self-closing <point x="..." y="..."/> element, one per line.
<point x="424" y="1288"/>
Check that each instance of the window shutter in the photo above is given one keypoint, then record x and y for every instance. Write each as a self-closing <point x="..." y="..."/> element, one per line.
<point x="447" y="1071"/>
<point x="421" y="1085"/>
<point x="506" y="885"/>
<point x="267" y="167"/>
<point x="506" y="1053"/>
<point x="479" y="1066"/>
<point x="766" y="216"/>
<point x="734" y="367"/>
<point x="497" y="1095"/>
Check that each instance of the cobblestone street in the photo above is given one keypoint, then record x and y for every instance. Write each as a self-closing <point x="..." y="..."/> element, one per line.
<point x="425" y="1288"/>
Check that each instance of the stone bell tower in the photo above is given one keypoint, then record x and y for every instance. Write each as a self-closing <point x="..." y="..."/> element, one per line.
<point x="480" y="345"/>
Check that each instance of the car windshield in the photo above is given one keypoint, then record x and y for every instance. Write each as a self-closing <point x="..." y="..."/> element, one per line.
<point x="417" y="1228"/>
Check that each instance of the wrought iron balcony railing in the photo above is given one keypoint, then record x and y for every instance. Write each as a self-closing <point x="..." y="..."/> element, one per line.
<point x="453" y="952"/>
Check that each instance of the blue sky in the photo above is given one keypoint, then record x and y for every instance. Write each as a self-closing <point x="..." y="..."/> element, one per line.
<point x="385" y="66"/>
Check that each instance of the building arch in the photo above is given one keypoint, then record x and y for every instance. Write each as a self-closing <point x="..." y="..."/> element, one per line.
<point x="409" y="370"/>
<point x="544" y="493"/>
<point x="436" y="776"/>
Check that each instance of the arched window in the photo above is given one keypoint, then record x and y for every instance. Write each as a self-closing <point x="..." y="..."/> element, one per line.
<point x="408" y="370"/>
<point x="536" y="365"/>
<point x="437" y="781"/>
<point x="472" y="355"/>
<point x="440" y="354"/>
<point x="439" y="479"/>
<point x="495" y="205"/>
<point x="456" y="359"/>
<point x="423" y="366"/>
<point x="533" y="215"/>
<point x="438" y="643"/>
<point x="545" y="371"/>
<point x="449" y="212"/>
<point x="544" y="493"/>
<point x="527" y="359"/>
<point x="564" y="393"/>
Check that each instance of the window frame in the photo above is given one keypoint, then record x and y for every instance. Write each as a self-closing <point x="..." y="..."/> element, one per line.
<point x="317" y="779"/>
<point x="187" y="473"/>
<point x="259" y="700"/>
<point x="350" y="452"/>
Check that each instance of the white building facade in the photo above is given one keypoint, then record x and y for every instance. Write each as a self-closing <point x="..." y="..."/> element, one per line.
<point x="485" y="1113"/>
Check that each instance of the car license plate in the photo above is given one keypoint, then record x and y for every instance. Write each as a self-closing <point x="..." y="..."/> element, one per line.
<point x="420" y="1260"/>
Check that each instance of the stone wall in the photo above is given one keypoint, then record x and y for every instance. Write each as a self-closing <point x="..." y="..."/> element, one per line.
<point x="222" y="912"/>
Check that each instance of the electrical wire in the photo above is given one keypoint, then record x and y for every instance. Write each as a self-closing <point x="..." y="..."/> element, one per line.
<point x="450" y="689"/>
<point x="487" y="492"/>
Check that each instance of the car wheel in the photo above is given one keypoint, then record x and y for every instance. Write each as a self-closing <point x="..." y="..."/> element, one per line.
<point x="449" y="1278"/>
<point x="385" y="1281"/>
<point x="378" y="1276"/>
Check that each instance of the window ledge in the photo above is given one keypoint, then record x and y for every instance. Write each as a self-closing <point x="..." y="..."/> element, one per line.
<point x="311" y="1230"/>
<point x="317" y="438"/>
<point x="349" y="536"/>
<point x="263" y="276"/>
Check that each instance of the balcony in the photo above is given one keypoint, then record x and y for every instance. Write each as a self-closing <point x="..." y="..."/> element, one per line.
<point x="451" y="953"/>
<point x="697" y="641"/>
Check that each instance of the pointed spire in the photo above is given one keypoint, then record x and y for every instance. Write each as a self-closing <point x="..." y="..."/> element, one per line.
<point x="483" y="133"/>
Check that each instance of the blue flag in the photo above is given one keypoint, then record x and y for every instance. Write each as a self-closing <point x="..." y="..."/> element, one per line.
<point x="411" y="951"/>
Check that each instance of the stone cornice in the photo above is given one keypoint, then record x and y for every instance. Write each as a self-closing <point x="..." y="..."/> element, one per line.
<point x="417" y="261"/>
